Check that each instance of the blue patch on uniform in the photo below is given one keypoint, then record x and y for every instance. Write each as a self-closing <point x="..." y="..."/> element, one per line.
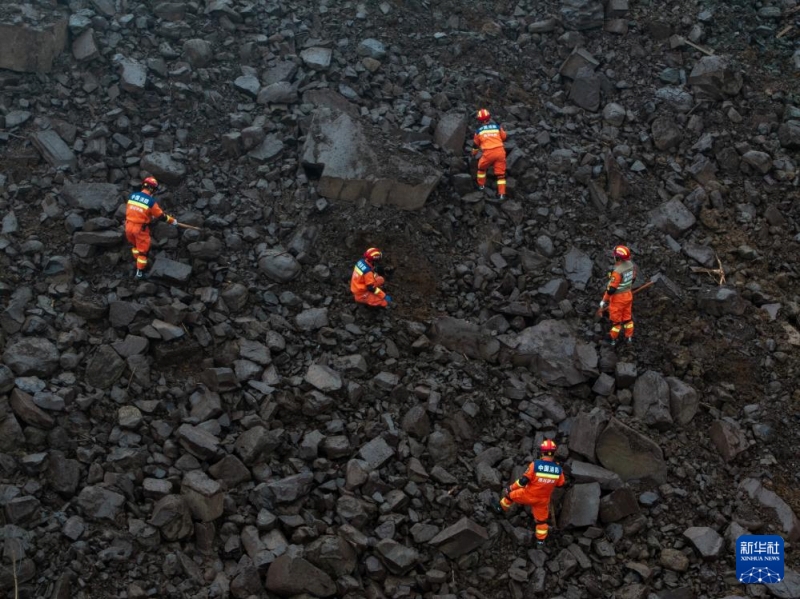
<point x="547" y="467"/>
<point x="363" y="266"/>
<point x="489" y="127"/>
<point x="142" y="198"/>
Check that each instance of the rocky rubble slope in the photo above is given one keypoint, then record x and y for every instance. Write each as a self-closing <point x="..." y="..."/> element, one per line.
<point x="235" y="427"/>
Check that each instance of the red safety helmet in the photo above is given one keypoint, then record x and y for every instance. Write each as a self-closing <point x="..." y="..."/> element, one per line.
<point x="548" y="446"/>
<point x="483" y="115"/>
<point x="373" y="255"/>
<point x="150" y="183"/>
<point x="621" y="252"/>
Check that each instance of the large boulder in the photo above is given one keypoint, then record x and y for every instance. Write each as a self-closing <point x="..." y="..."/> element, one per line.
<point x="99" y="197"/>
<point x="651" y="401"/>
<point x="465" y="338"/>
<point x="672" y="217"/>
<point x="32" y="356"/>
<point x="582" y="14"/>
<point x="630" y="454"/>
<point x="769" y="499"/>
<point x="580" y="506"/>
<point x="552" y="350"/>
<point x="451" y="132"/>
<point x="338" y="150"/>
<point x="279" y="265"/>
<point x="714" y="77"/>
<point x="460" y="538"/>
<point x="32" y="49"/>
<point x="288" y="576"/>
<point x="164" y="167"/>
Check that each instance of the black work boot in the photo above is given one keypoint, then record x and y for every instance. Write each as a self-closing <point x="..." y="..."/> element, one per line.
<point x="496" y="507"/>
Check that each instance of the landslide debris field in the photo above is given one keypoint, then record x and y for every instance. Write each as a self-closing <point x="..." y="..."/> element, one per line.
<point x="235" y="427"/>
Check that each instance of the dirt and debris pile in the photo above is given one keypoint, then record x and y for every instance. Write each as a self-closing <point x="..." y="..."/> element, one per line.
<point x="233" y="426"/>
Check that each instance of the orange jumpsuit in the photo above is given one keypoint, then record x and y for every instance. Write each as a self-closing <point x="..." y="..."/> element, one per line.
<point x="620" y="298"/>
<point x="142" y="208"/>
<point x="534" y="488"/>
<point x="489" y="138"/>
<point x="366" y="285"/>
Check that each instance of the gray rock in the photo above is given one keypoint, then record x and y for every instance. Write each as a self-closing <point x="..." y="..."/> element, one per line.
<point x="171" y="516"/>
<point x="442" y="447"/>
<point x="552" y="350"/>
<point x="198" y="52"/>
<point x="713" y="76"/>
<point x="581" y="506"/>
<point x="618" y="504"/>
<point x="98" y="503"/>
<point x="129" y="417"/>
<point x="371" y="48"/>
<point x="247" y="84"/>
<point x="281" y="92"/>
<point x="133" y="75"/>
<point x="255" y="444"/>
<point x="666" y="133"/>
<point x="333" y="555"/>
<point x="338" y="149"/>
<point x="376" y="453"/>
<point x="651" y="401"/>
<point x="719" y="301"/>
<point x="673" y="218"/>
<point x="53" y="149"/>
<point x="84" y="47"/>
<point x="416" y="423"/>
<point x="585" y="91"/>
<point x="460" y="538"/>
<point x="465" y="338"/>
<point x="312" y="319"/>
<point x="206" y="404"/>
<point x="561" y="161"/>
<point x="29" y="49"/>
<point x="291" y="488"/>
<point x="6" y="379"/>
<point x="99" y="197"/>
<point x="577" y="268"/>
<point x="625" y="374"/>
<point x="604" y="385"/>
<point x="582" y="14"/>
<point x="788" y="588"/>
<point x="676" y="97"/>
<point x="282" y="71"/>
<point x="235" y="297"/>
<point x="198" y="441"/>
<point x="582" y="472"/>
<point x="398" y="558"/>
<point x="104" y="368"/>
<point x="614" y="114"/>
<point x="15" y="118"/>
<point x="760" y="161"/>
<point x="788" y="134"/>
<point x="728" y="437"/>
<point x="208" y="249"/>
<point x="674" y="560"/>
<point x="556" y="289"/>
<point x="323" y="378"/>
<point x="32" y="356"/>
<point x="451" y="131"/>
<point x="769" y="499"/>
<point x="28" y="412"/>
<point x="231" y="471"/>
<point x="171" y="270"/>
<point x="164" y="167"/>
<point x="289" y="576"/>
<point x="630" y="454"/>
<point x="279" y="266"/>
<point x="706" y="540"/>
<point x="318" y="59"/>
<point x="97" y="238"/>
<point x="586" y="427"/>
<point x="203" y="495"/>
<point x="683" y="401"/>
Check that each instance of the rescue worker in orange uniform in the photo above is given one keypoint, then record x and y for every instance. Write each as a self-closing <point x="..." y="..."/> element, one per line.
<point x="142" y="208"/>
<point x="535" y="487"/>
<point x="489" y="139"/>
<point x="366" y="282"/>
<point x="618" y="297"/>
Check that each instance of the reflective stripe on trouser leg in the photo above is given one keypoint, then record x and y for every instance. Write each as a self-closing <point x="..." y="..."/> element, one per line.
<point x="542" y="528"/>
<point x="614" y="333"/>
<point x="141" y="262"/>
<point x="628" y="326"/>
<point x="501" y="187"/>
<point x="505" y="503"/>
<point x="481" y="177"/>
<point x="135" y="252"/>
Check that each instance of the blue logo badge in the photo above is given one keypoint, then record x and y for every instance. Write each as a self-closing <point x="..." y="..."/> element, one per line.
<point x="759" y="559"/>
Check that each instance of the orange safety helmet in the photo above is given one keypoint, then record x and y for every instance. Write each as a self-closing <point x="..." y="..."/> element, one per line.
<point x="483" y="115"/>
<point x="548" y="447"/>
<point x="373" y="255"/>
<point x="150" y="183"/>
<point x="621" y="252"/>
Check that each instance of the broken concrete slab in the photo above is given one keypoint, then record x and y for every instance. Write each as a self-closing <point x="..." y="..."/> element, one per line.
<point x="349" y="167"/>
